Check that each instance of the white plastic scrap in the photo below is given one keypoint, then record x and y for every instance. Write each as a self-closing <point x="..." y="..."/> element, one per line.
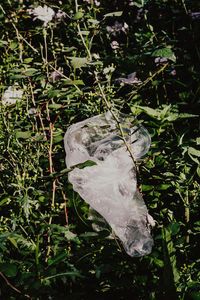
<point x="110" y="186"/>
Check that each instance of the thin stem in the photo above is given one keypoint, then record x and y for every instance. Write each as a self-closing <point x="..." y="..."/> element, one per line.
<point x="46" y="50"/>
<point x="187" y="214"/>
<point x="116" y="119"/>
<point x="12" y="287"/>
<point x="64" y="76"/>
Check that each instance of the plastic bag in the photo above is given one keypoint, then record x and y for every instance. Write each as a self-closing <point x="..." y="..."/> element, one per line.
<point x="110" y="186"/>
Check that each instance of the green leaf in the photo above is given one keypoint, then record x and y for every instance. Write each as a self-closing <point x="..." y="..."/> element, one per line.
<point x="17" y="76"/>
<point x="165" y="52"/>
<point x="114" y="14"/>
<point x="170" y="272"/>
<point x="57" y="138"/>
<point x="55" y="106"/>
<point x="78" y="16"/>
<point x="163" y="187"/>
<point x="198" y="171"/>
<point x="73" y="82"/>
<point x="28" y="60"/>
<point x="69" y="235"/>
<point x="30" y="72"/>
<point x="194" y="151"/>
<point x="87" y="163"/>
<point x="10" y="270"/>
<point x="146" y="187"/>
<point x="78" y="62"/>
<point x="13" y="241"/>
<point x="174" y="228"/>
<point x="53" y="93"/>
<point x="57" y="259"/>
<point x="13" y="45"/>
<point x="64" y="171"/>
<point x="158" y="262"/>
<point x="23" y="135"/>
<point x="3" y="201"/>
<point x="71" y="274"/>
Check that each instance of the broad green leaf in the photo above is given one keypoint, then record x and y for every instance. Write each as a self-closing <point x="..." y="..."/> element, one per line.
<point x="13" y="241"/>
<point x="69" y="235"/>
<point x="158" y="262"/>
<point x="78" y="16"/>
<point x="3" y="43"/>
<point x="53" y="93"/>
<point x="55" y="106"/>
<point x="163" y="187"/>
<point x="23" y="135"/>
<point x="30" y="72"/>
<point x="57" y="259"/>
<point x="73" y="82"/>
<point x="198" y="171"/>
<point x="150" y="111"/>
<point x="28" y="60"/>
<point x="13" y="45"/>
<point x="3" y="201"/>
<point x="65" y="171"/>
<point x="10" y="270"/>
<point x="57" y="138"/>
<point x="17" y="76"/>
<point x="146" y="187"/>
<point x="93" y="21"/>
<point x="87" y="163"/>
<point x="194" y="151"/>
<point x="114" y="14"/>
<point x="170" y="272"/>
<point x="174" y="228"/>
<point x="165" y="52"/>
<point x="85" y="32"/>
<point x="71" y="274"/>
<point x="78" y="62"/>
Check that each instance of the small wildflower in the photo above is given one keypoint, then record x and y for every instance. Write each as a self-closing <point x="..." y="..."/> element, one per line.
<point x="150" y="220"/>
<point x="173" y="72"/>
<point x="11" y="95"/>
<point x="96" y="55"/>
<point x="160" y="60"/>
<point x="108" y="70"/>
<point x="32" y="111"/>
<point x="194" y="15"/>
<point x="60" y="15"/>
<point x="55" y="76"/>
<point x="131" y="79"/>
<point x="44" y="14"/>
<point x="117" y="28"/>
<point x="114" y="45"/>
<point x="96" y="3"/>
<point x="131" y="3"/>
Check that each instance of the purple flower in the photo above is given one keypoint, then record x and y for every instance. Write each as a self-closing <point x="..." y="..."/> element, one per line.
<point x="160" y="60"/>
<point x="173" y="72"/>
<point x="131" y="79"/>
<point x="117" y="28"/>
<point x="97" y="3"/>
<point x="55" y="75"/>
<point x="60" y="15"/>
<point x="114" y="45"/>
<point x="194" y="15"/>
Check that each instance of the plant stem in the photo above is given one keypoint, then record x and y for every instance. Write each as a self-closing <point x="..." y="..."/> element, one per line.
<point x="187" y="214"/>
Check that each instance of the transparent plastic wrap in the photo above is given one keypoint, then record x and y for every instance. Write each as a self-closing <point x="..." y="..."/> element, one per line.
<point x="110" y="186"/>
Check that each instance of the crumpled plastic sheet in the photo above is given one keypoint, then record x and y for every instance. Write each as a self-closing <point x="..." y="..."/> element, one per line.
<point x="110" y="187"/>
